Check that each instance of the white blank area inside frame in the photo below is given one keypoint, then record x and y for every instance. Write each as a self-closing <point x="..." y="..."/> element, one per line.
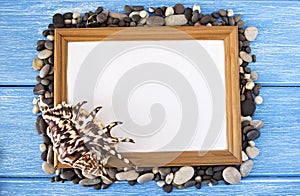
<point x="148" y="85"/>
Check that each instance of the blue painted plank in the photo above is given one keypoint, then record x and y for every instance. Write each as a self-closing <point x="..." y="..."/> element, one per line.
<point x="250" y="186"/>
<point x="277" y="46"/>
<point x="279" y="143"/>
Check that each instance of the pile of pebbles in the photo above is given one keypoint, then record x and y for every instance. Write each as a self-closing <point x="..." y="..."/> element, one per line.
<point x="165" y="177"/>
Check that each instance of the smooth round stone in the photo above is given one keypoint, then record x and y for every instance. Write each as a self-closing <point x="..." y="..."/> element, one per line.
<point x="196" y="7"/>
<point x="176" y="20"/>
<point x="45" y="70"/>
<point x="138" y="8"/>
<point x="143" y="14"/>
<point x="248" y="108"/>
<point x="254" y="76"/>
<point x="50" y="37"/>
<point x="136" y="18"/>
<point x="179" y="8"/>
<point x="145" y="178"/>
<point x="240" y="24"/>
<point x="205" y="19"/>
<point x="222" y="12"/>
<point x="40" y="125"/>
<point x="169" y="178"/>
<point x="169" y="11"/>
<point x="183" y="175"/>
<point x="168" y="188"/>
<point x="133" y="13"/>
<point x="101" y="17"/>
<point x="247" y="76"/>
<point x="37" y="64"/>
<point x="49" y="45"/>
<point x="195" y="17"/>
<point x="231" y="175"/>
<point x="257" y="124"/>
<point x="253" y="134"/>
<point x="246" y="118"/>
<point x="244" y="156"/>
<point x="217" y="175"/>
<point x="246" y="168"/>
<point x="45" y="54"/>
<point x="198" y="178"/>
<point x="50" y="154"/>
<point x="163" y="171"/>
<point x="128" y="175"/>
<point x="89" y="182"/>
<point x="48" y="168"/>
<point x="230" y="13"/>
<point x="45" y="82"/>
<point x="160" y="183"/>
<point x="58" y="21"/>
<point x="39" y="89"/>
<point x="76" y="15"/>
<point x="127" y="9"/>
<point x="245" y="56"/>
<point x="250" y="85"/>
<point x="43" y="147"/>
<point x="68" y="21"/>
<point x="189" y="184"/>
<point x="188" y="13"/>
<point x="251" y="33"/>
<point x="67" y="175"/>
<point x="252" y="152"/>
<point x="154" y="170"/>
<point x="117" y="15"/>
<point x="155" y="21"/>
<point x="251" y="143"/>
<point x="258" y="100"/>
<point x="78" y="173"/>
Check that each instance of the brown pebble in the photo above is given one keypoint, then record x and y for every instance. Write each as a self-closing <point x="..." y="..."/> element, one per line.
<point x="179" y="8"/>
<point x="168" y="188"/>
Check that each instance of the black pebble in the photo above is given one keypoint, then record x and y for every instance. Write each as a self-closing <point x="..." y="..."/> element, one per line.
<point x="99" y="10"/>
<point x="168" y="188"/>
<point x="158" y="12"/>
<point x="205" y="19"/>
<point x="188" y="13"/>
<point x="132" y="182"/>
<point x="58" y="21"/>
<point x="138" y="8"/>
<point x="253" y="134"/>
<point x="248" y="108"/>
<point x="44" y="155"/>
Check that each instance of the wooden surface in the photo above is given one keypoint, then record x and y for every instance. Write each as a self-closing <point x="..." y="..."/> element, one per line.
<point x="276" y="170"/>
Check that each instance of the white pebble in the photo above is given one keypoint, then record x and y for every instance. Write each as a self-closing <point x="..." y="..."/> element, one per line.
<point x="160" y="183"/>
<point x="244" y="118"/>
<point x="169" y="11"/>
<point x="250" y="85"/>
<point x="151" y="9"/>
<point x="240" y="61"/>
<point x="197" y="7"/>
<point x="254" y="76"/>
<point x="74" y="21"/>
<point x="50" y="37"/>
<point x="198" y="179"/>
<point x="47" y="94"/>
<point x="230" y="12"/>
<point x="143" y="14"/>
<point x="57" y="171"/>
<point x="247" y="76"/>
<point x="34" y="101"/>
<point x="76" y="15"/>
<point x="43" y="147"/>
<point x="35" y="109"/>
<point x="244" y="156"/>
<point x="169" y="178"/>
<point x="209" y="25"/>
<point x="258" y="100"/>
<point x="241" y="70"/>
<point x="155" y="170"/>
<point x="68" y="21"/>
<point x="251" y="143"/>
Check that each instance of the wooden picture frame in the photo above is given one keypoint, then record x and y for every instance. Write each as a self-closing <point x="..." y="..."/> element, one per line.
<point x="229" y="35"/>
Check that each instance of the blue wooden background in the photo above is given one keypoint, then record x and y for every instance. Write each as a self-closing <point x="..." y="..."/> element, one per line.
<point x="276" y="170"/>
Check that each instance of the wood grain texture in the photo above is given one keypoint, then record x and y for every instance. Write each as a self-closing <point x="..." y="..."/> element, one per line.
<point x="249" y="186"/>
<point x="277" y="46"/>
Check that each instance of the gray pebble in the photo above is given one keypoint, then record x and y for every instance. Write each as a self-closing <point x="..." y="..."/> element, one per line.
<point x="127" y="9"/>
<point x="78" y="173"/>
<point x="128" y="175"/>
<point x="39" y="89"/>
<point x="45" y="54"/>
<point x="155" y="21"/>
<point x="45" y="82"/>
<point x="231" y="175"/>
<point x="252" y="152"/>
<point x="145" y="178"/>
<point x="240" y="24"/>
<point x="163" y="171"/>
<point x="190" y="184"/>
<point x="102" y="17"/>
<point x="89" y="182"/>
<point x="245" y="56"/>
<point x="45" y="70"/>
<point x="58" y="20"/>
<point x="205" y="19"/>
<point x="67" y="175"/>
<point x="195" y="17"/>
<point x="251" y="33"/>
<point x="117" y="15"/>
<point x="222" y="12"/>
<point x="50" y="154"/>
<point x="176" y="20"/>
<point x="48" y="168"/>
<point x="183" y="175"/>
<point x="138" y="8"/>
<point x="246" y="168"/>
<point x="257" y="124"/>
<point x="253" y="134"/>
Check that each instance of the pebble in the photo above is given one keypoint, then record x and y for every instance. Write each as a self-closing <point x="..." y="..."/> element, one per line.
<point x="155" y="170"/>
<point x="230" y="13"/>
<point x="247" y="76"/>
<point x="50" y="154"/>
<point x="169" y="11"/>
<point x="190" y="183"/>
<point x="176" y="20"/>
<point x="183" y="175"/>
<point x="68" y="21"/>
<point x="205" y="19"/>
<point x="246" y="168"/>
<point x="158" y="12"/>
<point x="50" y="37"/>
<point x="145" y="178"/>
<point x="48" y="168"/>
<point x="151" y="10"/>
<point x="160" y="183"/>
<point x="67" y="175"/>
<point x="196" y="7"/>
<point x="250" y="85"/>
<point x="45" y="70"/>
<point x="254" y="76"/>
<point x="245" y="56"/>
<point x="257" y="124"/>
<point x="89" y="182"/>
<point x="45" y="54"/>
<point x="222" y="12"/>
<point x="169" y="178"/>
<point x="248" y="108"/>
<point x="163" y="171"/>
<point x="188" y="13"/>
<point x="128" y="175"/>
<point x="155" y="21"/>
<point x="49" y="45"/>
<point x="251" y="143"/>
<point x="78" y="173"/>
<point x="143" y="14"/>
<point x="37" y="64"/>
<point x="45" y="83"/>
<point x="46" y="139"/>
<point x="179" y="8"/>
<point x="40" y="125"/>
<point x="244" y="156"/>
<point x="43" y="147"/>
<point x="168" y="188"/>
<point x="101" y="18"/>
<point x="35" y="109"/>
<point x="258" y="100"/>
<point x="195" y="17"/>
<point x="253" y="134"/>
<point x="127" y="9"/>
<point x="76" y="15"/>
<point x="117" y="15"/>
<point x="58" y="21"/>
<point x="218" y="175"/>
<point x="252" y="152"/>
<point x="251" y="33"/>
<point x="198" y="178"/>
<point x="138" y="8"/>
<point x="231" y="175"/>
